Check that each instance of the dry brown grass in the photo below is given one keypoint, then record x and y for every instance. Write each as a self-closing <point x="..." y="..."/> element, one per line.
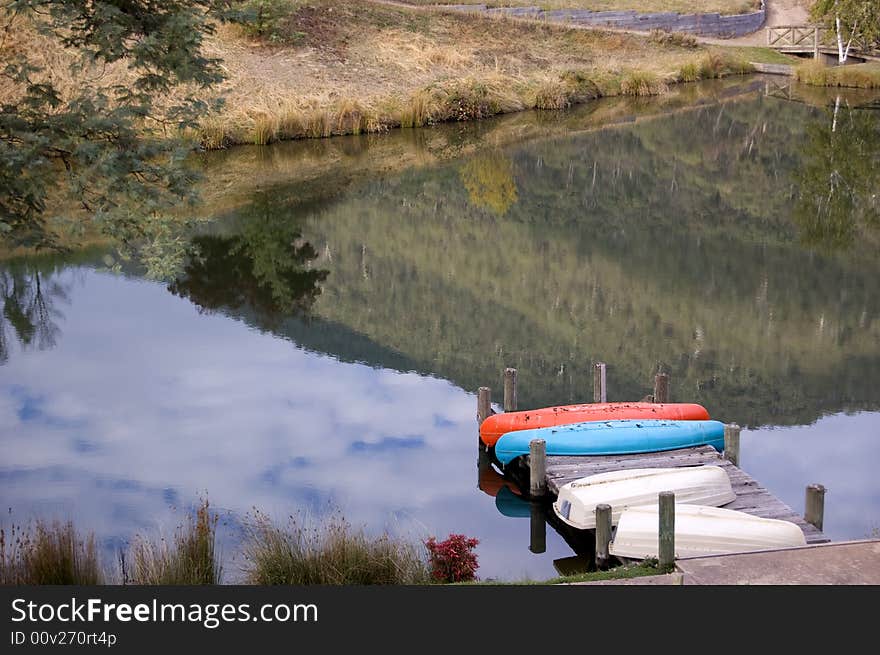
<point x="862" y="76"/>
<point x="48" y="554"/>
<point x="190" y="559"/>
<point x="331" y="553"/>
<point x="642" y="6"/>
<point x="365" y="67"/>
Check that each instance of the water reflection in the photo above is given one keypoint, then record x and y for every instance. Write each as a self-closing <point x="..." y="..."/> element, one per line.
<point x="837" y="201"/>
<point x="368" y="307"/>
<point x="489" y="181"/>
<point x="32" y="300"/>
<point x="263" y="270"/>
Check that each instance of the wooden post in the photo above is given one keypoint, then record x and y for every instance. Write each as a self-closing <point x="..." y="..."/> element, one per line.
<point x="484" y="404"/>
<point x="537" y="528"/>
<point x="814" y="508"/>
<point x="731" y="443"/>
<point x="510" y="390"/>
<point x="815" y="43"/>
<point x="484" y="461"/>
<point x="537" y="468"/>
<point x="666" y="546"/>
<point x="661" y="388"/>
<point x="599" y="393"/>
<point x="603" y="534"/>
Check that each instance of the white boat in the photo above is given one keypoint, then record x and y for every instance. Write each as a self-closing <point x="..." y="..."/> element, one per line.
<point x="701" y="530"/>
<point x="697" y="485"/>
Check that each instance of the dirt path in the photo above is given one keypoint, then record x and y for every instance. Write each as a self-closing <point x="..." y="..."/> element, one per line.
<point x="779" y="12"/>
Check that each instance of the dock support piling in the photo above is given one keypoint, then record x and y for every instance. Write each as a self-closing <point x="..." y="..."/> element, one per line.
<point x="661" y="388"/>
<point x="731" y="443"/>
<point x="666" y="546"/>
<point x="484" y="404"/>
<point x="603" y="534"/>
<point x="814" y="507"/>
<point x="510" y="390"/>
<point x="537" y="468"/>
<point x="537" y="529"/>
<point x="600" y="394"/>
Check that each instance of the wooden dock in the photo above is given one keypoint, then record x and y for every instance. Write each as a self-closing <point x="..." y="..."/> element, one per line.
<point x="540" y="476"/>
<point x="751" y="497"/>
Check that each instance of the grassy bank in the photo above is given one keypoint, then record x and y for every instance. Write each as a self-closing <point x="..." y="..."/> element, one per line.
<point x="329" y="553"/>
<point x="301" y="553"/>
<point x="364" y="67"/>
<point x="326" y="68"/>
<point x="857" y="76"/>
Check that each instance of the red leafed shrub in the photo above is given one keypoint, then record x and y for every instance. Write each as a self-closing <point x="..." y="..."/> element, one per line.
<point x="453" y="560"/>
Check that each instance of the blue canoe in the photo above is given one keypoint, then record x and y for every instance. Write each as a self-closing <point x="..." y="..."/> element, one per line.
<point x="621" y="437"/>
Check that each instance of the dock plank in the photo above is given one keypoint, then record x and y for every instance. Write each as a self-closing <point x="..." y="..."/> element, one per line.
<point x="751" y="496"/>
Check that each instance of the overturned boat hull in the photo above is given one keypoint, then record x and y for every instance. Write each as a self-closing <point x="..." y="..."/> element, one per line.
<point x="701" y="530"/>
<point x="697" y="485"/>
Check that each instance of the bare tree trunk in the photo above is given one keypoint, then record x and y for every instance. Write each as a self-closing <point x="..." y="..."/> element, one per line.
<point x="843" y="50"/>
<point x="836" y="110"/>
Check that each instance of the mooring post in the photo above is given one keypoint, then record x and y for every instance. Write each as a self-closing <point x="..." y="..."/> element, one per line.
<point x="666" y="546"/>
<point x="814" y="507"/>
<point x="661" y="388"/>
<point x="815" y="43"/>
<point x="484" y="404"/>
<point x="599" y="392"/>
<point x="484" y="461"/>
<point x="731" y="443"/>
<point x="537" y="468"/>
<point x="537" y="528"/>
<point x="510" y="390"/>
<point x="603" y="534"/>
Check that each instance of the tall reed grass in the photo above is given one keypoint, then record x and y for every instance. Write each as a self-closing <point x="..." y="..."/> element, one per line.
<point x="48" y="554"/>
<point x="862" y="76"/>
<point x="714" y="65"/>
<point x="190" y="558"/>
<point x="331" y="554"/>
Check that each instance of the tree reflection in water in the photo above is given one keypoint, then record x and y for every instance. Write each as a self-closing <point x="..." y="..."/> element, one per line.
<point x="30" y="312"/>
<point x="838" y="184"/>
<point x="266" y="268"/>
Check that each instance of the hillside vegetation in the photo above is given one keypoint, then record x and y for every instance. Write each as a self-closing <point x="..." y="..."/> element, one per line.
<point x="325" y="67"/>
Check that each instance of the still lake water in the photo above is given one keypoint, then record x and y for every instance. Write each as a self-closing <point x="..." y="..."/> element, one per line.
<point x="349" y="296"/>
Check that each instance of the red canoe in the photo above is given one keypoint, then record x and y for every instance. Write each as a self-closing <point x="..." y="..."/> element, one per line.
<point x="493" y="427"/>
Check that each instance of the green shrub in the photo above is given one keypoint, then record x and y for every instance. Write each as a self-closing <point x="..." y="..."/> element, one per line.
<point x="268" y="19"/>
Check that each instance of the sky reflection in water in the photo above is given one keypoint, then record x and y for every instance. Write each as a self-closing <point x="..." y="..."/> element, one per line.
<point x="150" y="404"/>
<point x="131" y="402"/>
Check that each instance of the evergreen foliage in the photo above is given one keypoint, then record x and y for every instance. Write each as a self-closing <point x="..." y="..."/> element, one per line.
<point x="81" y="138"/>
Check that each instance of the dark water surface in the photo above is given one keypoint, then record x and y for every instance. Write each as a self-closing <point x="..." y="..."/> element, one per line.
<point x="323" y="342"/>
